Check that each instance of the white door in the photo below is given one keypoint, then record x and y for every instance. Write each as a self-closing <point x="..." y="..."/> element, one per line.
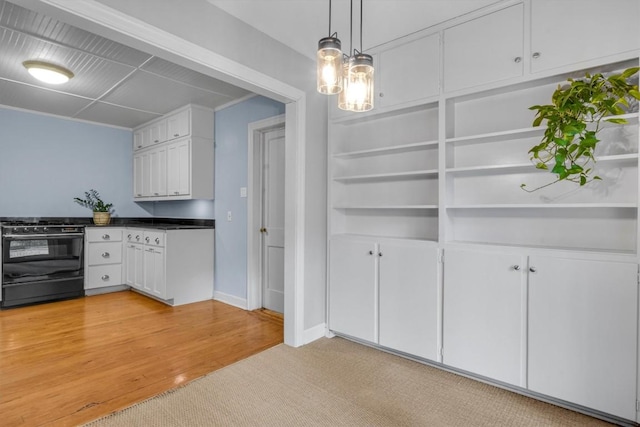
<point x="583" y="332"/>
<point x="484" y="314"/>
<point x="273" y="220"/>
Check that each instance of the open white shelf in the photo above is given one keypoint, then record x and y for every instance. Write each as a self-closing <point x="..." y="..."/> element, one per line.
<point x="385" y="176"/>
<point x="389" y="207"/>
<point x="530" y="167"/>
<point x="547" y="206"/>
<point x="497" y="136"/>
<point x="386" y="150"/>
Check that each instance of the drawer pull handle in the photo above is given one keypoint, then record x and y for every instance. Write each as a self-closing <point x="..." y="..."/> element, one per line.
<point x="157" y="241"/>
<point x="105" y="255"/>
<point x="105" y="277"/>
<point x="176" y="134"/>
<point x="106" y="237"/>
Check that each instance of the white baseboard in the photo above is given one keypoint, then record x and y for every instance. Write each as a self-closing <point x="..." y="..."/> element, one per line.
<point x="230" y="299"/>
<point x="314" y="333"/>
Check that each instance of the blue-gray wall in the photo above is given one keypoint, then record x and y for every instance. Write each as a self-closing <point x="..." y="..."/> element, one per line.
<point x="231" y="136"/>
<point x="47" y="161"/>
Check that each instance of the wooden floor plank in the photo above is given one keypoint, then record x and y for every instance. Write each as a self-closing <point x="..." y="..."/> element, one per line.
<point x="69" y="362"/>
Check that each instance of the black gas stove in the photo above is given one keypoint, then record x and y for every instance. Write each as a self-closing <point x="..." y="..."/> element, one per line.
<point x="42" y="260"/>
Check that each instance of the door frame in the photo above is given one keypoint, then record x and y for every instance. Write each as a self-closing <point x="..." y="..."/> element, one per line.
<point x="111" y="23"/>
<point x="254" y="207"/>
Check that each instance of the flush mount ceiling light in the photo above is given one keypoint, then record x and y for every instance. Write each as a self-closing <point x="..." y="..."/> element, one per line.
<point x="47" y="72"/>
<point x="329" y="63"/>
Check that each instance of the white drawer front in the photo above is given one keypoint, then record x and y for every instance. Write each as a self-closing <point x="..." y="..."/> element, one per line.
<point x="154" y="238"/>
<point x="104" y="234"/>
<point x="103" y="275"/>
<point x="105" y="253"/>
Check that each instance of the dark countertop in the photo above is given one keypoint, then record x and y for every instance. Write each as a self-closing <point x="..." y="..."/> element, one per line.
<point x="149" y="222"/>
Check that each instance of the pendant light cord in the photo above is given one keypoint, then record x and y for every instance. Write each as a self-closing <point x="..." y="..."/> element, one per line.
<point x="351" y="30"/>
<point x="329" y="18"/>
<point x="361" y="25"/>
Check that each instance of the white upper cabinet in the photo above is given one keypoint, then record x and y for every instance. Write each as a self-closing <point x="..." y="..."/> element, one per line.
<point x="566" y="32"/>
<point x="484" y="50"/>
<point x="178" y="125"/>
<point x="400" y="84"/>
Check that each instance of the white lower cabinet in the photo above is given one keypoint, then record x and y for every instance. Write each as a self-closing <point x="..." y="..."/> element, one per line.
<point x="385" y="292"/>
<point x="103" y="261"/>
<point x="483" y="314"/>
<point x="564" y="327"/>
<point x="174" y="266"/>
<point x="583" y="332"/>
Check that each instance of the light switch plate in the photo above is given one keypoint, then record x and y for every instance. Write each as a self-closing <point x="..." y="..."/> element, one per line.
<point x="243" y="191"/>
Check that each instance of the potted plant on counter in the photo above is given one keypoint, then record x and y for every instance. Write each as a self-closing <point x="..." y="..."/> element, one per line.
<point x="101" y="210"/>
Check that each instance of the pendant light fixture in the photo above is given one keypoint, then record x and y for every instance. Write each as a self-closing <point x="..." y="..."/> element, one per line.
<point x="47" y="72"/>
<point x="343" y="97"/>
<point x="329" y="63"/>
<point x="358" y="89"/>
<point x="360" y="77"/>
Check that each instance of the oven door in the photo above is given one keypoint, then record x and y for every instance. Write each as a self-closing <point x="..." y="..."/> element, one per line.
<point x="37" y="268"/>
<point x="30" y="258"/>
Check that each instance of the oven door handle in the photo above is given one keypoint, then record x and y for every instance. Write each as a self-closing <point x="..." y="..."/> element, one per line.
<point x="40" y="236"/>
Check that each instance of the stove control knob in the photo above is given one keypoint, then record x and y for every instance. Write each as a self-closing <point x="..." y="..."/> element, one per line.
<point x="25" y="229"/>
<point x="45" y="229"/>
<point x="15" y="230"/>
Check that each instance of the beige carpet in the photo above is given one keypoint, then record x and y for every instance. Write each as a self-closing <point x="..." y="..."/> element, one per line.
<point x="334" y="382"/>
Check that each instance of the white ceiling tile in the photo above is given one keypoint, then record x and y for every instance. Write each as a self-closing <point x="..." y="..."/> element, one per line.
<point x="38" y="99"/>
<point x="115" y="115"/>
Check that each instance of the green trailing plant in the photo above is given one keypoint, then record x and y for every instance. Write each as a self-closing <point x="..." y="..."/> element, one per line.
<point x="573" y="121"/>
<point x="93" y="201"/>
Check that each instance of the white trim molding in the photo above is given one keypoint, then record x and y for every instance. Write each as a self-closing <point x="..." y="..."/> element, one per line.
<point x="230" y="299"/>
<point x="314" y="333"/>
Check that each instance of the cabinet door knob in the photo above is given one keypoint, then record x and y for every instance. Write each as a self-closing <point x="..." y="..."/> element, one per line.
<point x="381" y="94"/>
<point x="106" y="237"/>
<point x="157" y="241"/>
<point x="105" y="255"/>
<point x="138" y="238"/>
<point x="105" y="277"/>
<point x="379" y="253"/>
<point x="517" y="59"/>
<point x="370" y="252"/>
<point x="516" y="267"/>
<point x="146" y="239"/>
<point x="128" y="236"/>
<point x="536" y="55"/>
<point x="533" y="269"/>
<point x="176" y="134"/>
<point x="176" y="192"/>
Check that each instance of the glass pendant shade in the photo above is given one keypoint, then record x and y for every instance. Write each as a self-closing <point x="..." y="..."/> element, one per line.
<point x="343" y="100"/>
<point x="329" y="66"/>
<point x="360" y="83"/>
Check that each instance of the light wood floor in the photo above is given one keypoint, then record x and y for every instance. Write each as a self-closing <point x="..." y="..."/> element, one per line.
<point x="69" y="362"/>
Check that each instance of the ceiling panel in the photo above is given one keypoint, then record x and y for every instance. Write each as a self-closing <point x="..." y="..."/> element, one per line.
<point x="115" y="115"/>
<point x="39" y="99"/>
<point x="48" y="29"/>
<point x="149" y="92"/>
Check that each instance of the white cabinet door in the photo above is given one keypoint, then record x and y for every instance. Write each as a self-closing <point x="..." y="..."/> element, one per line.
<point x="158" y="132"/>
<point x="483" y="322"/>
<point x="178" y="168"/>
<point x="352" y="288"/>
<point x="583" y="337"/>
<point x="399" y="83"/>
<point x="154" y="276"/>
<point x="178" y="125"/>
<point x="408" y="315"/>
<point x="158" y="174"/>
<point x="133" y="265"/>
<point x="556" y="36"/>
<point x="137" y="140"/>
<point x="138" y="175"/>
<point x="484" y="50"/>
